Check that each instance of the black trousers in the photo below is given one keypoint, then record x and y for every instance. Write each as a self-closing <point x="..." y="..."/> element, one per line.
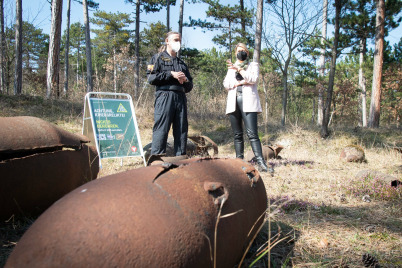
<point x="250" y="122"/>
<point x="170" y="109"/>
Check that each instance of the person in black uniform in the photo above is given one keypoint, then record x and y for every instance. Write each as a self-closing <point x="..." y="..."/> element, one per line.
<point x="172" y="79"/>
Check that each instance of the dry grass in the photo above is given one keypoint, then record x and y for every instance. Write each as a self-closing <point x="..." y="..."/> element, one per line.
<point x="324" y="226"/>
<point x="331" y="228"/>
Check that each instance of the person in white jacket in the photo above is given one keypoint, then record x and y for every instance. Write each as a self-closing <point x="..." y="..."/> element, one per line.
<point x="243" y="103"/>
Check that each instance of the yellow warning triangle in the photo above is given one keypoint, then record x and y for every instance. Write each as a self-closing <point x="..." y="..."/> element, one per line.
<point x="121" y="109"/>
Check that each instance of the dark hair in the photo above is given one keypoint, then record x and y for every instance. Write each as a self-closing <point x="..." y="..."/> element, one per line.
<point x="163" y="47"/>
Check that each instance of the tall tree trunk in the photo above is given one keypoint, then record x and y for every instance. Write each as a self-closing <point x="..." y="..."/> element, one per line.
<point x="230" y="40"/>
<point x="114" y="70"/>
<point x="2" y="48"/>
<point x="181" y="21"/>
<point x="285" y="90"/>
<point x="322" y="64"/>
<point x="257" y="51"/>
<point x="18" y="49"/>
<point x="168" y="15"/>
<point x="374" y="117"/>
<point x="362" y="81"/>
<point x="88" y="46"/>
<point x="242" y="19"/>
<point x="327" y="107"/>
<point x="284" y="98"/>
<point x="264" y="87"/>
<point x="258" y="31"/>
<point x="7" y="72"/>
<point x="137" y="49"/>
<point x="312" y="114"/>
<point x="78" y="62"/>
<point x="67" y="49"/>
<point x="53" y="64"/>
<point x="96" y="74"/>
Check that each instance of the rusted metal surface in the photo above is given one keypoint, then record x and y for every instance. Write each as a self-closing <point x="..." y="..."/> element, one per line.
<point x="196" y="146"/>
<point x="24" y="135"/>
<point x="268" y="152"/>
<point x="191" y="148"/>
<point x="160" y="159"/>
<point x="204" y="143"/>
<point x="156" y="216"/>
<point x="31" y="184"/>
<point x="40" y="163"/>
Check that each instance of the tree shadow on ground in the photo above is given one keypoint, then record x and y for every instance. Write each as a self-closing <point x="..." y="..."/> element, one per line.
<point x="285" y="162"/>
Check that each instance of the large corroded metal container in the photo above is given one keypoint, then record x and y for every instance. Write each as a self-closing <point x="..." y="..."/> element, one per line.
<point x="40" y="163"/>
<point x="156" y="216"/>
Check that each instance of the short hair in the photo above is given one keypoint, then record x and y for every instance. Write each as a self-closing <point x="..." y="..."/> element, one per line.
<point x="163" y="47"/>
<point x="242" y="45"/>
<point x="171" y="33"/>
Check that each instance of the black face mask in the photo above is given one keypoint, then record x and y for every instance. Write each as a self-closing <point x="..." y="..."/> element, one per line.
<point x="242" y="55"/>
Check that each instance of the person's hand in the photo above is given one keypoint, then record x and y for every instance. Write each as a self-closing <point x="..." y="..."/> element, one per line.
<point x="230" y="65"/>
<point x="240" y="83"/>
<point x="180" y="76"/>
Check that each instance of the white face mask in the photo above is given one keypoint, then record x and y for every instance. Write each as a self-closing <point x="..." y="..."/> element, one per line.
<point x="175" y="46"/>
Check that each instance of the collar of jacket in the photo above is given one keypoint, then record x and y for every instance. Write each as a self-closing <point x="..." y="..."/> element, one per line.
<point x="165" y="56"/>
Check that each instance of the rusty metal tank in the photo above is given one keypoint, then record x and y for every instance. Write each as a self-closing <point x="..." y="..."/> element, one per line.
<point x="155" y="216"/>
<point x="40" y="163"/>
<point x="268" y="152"/>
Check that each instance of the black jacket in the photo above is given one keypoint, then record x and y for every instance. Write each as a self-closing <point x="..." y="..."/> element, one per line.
<point x="159" y="71"/>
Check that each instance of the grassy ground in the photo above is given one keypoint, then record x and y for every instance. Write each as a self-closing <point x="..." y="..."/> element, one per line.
<point x="318" y="217"/>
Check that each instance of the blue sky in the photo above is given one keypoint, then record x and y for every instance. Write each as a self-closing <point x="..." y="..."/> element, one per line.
<point x="38" y="13"/>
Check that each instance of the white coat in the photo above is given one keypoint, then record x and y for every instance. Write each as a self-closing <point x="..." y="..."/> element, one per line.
<point x="251" y="100"/>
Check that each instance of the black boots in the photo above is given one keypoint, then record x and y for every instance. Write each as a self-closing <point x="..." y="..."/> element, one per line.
<point x="261" y="164"/>
<point x="239" y="149"/>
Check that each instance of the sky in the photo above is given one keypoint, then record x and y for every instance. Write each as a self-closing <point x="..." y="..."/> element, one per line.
<point x="37" y="12"/>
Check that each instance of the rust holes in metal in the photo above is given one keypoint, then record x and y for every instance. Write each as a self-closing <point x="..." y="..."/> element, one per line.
<point x="218" y="192"/>
<point x="252" y="175"/>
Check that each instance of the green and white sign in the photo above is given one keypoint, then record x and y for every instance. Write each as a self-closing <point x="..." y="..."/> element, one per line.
<point x="111" y="125"/>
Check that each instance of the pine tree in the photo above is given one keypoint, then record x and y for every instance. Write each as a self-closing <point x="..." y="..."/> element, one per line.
<point x="227" y="19"/>
<point x="18" y="49"/>
<point x="327" y="106"/>
<point x="147" y="6"/>
<point x="53" y="64"/>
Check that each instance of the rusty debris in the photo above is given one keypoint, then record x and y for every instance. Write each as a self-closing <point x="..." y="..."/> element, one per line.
<point x="196" y="146"/>
<point x="160" y="159"/>
<point x="40" y="163"/>
<point x="268" y="152"/>
<point x="26" y="135"/>
<point x="191" y="148"/>
<point x="155" y="216"/>
<point x="204" y="144"/>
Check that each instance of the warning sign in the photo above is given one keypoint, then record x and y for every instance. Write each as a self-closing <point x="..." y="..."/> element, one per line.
<point x="110" y="123"/>
<point x="121" y="109"/>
